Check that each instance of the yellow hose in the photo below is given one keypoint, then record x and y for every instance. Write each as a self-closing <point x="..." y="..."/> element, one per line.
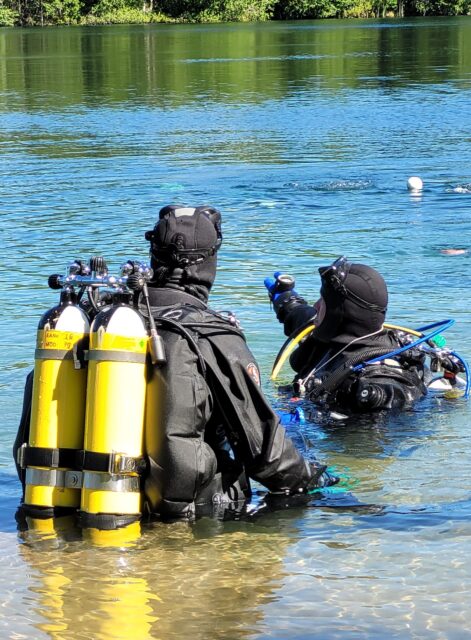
<point x="412" y="332"/>
<point x="288" y="349"/>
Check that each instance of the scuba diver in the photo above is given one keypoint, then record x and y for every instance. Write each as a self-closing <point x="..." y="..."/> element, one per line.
<point x="214" y="429"/>
<point x="175" y="419"/>
<point x="347" y="358"/>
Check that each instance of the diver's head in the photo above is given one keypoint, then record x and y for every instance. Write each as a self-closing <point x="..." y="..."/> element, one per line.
<point x="183" y="247"/>
<point x="355" y="298"/>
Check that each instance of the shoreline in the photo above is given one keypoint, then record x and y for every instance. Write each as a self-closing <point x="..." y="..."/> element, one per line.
<point x="101" y="16"/>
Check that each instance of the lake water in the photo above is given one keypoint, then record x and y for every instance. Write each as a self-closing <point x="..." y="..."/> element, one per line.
<point x="304" y="135"/>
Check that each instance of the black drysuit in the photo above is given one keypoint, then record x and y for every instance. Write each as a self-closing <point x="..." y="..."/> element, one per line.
<point x="393" y="383"/>
<point x="213" y="421"/>
<point x="208" y="427"/>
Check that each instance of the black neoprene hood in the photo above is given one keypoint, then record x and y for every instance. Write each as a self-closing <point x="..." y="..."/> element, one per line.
<point x="184" y="243"/>
<point x="357" y="308"/>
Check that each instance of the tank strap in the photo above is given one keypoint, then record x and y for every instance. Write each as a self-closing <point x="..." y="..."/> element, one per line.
<point x="105" y="521"/>
<point x="54" y="478"/>
<point x="108" y="355"/>
<point x="77" y="354"/>
<point x="111" y="482"/>
<point x="53" y="354"/>
<point x="110" y="462"/>
<point x="46" y="457"/>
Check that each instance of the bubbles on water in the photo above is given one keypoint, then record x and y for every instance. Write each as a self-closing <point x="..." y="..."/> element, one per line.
<point x="460" y="188"/>
<point x="172" y="186"/>
<point x="268" y="204"/>
<point x="333" y="185"/>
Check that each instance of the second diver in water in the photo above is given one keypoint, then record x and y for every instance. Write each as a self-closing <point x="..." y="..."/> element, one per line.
<point x="351" y="360"/>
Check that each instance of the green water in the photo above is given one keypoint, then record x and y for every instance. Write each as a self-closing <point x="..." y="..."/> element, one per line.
<point x="304" y="135"/>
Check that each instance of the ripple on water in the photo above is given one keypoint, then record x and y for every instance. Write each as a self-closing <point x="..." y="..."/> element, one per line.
<point x="333" y="185"/>
<point x="461" y="188"/>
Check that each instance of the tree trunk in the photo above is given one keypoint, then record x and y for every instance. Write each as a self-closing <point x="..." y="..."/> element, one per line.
<point x="400" y="8"/>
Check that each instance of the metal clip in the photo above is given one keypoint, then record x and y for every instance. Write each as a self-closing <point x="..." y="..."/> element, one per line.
<point x="20" y="455"/>
<point x="121" y="463"/>
<point x="112" y="462"/>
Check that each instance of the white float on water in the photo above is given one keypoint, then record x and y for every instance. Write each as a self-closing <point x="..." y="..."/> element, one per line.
<point x="414" y="183"/>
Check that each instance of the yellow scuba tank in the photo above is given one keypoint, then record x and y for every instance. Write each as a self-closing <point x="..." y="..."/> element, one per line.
<point x="114" y="422"/>
<point x="58" y="410"/>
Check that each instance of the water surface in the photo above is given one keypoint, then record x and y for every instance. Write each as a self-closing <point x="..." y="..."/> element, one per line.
<point x="304" y="135"/>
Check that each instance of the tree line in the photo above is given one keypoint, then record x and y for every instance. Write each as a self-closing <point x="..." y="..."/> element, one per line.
<point x="57" y="12"/>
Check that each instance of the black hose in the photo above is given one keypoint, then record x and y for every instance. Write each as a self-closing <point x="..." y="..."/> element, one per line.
<point x="335" y="379"/>
<point x="189" y="338"/>
<point x="92" y="301"/>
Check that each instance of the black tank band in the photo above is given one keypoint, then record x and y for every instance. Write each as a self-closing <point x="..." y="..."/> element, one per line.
<point x="108" y="355"/>
<point x="46" y="457"/>
<point x="53" y="354"/>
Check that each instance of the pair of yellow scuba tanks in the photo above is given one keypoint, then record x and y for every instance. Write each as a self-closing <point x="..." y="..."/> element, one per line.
<point x="93" y="389"/>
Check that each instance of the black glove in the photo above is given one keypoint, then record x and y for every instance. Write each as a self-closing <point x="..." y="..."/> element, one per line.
<point x="320" y="478"/>
<point x="282" y="293"/>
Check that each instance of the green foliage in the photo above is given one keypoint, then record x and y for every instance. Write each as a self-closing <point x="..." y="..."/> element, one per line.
<point x="47" y="12"/>
<point x="61" y="11"/>
<point x="438" y="7"/>
<point x="121" y="16"/>
<point x="8" y="17"/>
<point x="302" y="9"/>
<point x="371" y="9"/>
<point x="179" y="8"/>
<point x="216" y="10"/>
<point x="243" y="10"/>
<point x="104" y="8"/>
<point x="294" y="9"/>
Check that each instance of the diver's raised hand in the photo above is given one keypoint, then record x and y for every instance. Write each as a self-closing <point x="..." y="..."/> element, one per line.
<point x="280" y="283"/>
<point x="282" y="293"/>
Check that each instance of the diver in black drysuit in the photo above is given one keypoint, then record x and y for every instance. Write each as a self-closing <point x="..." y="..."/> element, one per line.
<point x="214" y="428"/>
<point x="218" y="428"/>
<point x="348" y="320"/>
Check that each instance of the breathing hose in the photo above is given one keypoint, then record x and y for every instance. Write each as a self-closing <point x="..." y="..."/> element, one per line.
<point x="336" y="378"/>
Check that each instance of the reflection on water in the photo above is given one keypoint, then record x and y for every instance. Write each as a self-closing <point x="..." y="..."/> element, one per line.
<point x="166" y="66"/>
<point x="273" y="573"/>
<point x="175" y="581"/>
<point x="304" y="135"/>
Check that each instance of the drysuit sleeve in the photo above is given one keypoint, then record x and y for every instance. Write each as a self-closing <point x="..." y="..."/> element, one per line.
<point x="259" y="441"/>
<point x="293" y="311"/>
<point x="22" y="435"/>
